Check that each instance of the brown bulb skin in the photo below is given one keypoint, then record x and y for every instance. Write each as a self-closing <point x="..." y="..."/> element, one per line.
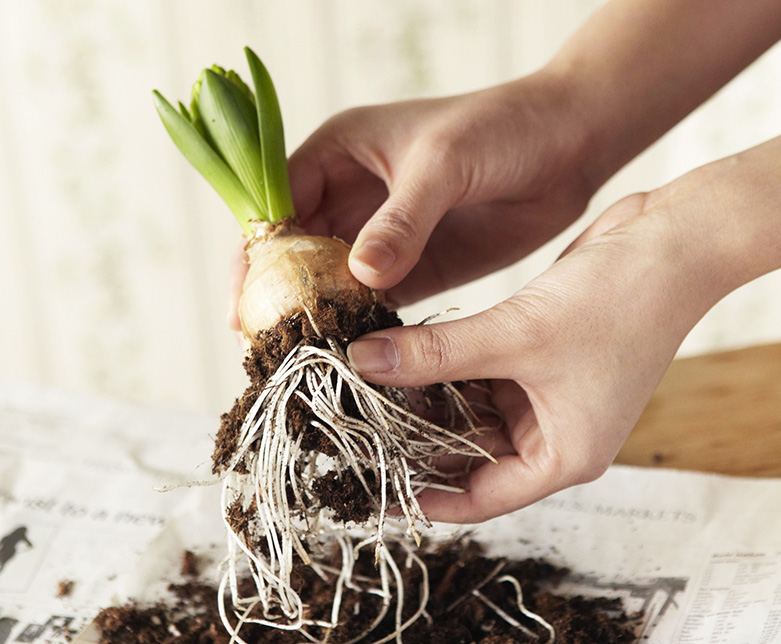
<point x="289" y="272"/>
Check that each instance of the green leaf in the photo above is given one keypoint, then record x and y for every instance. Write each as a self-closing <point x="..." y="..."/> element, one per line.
<point x="200" y="154"/>
<point x="272" y="141"/>
<point x="183" y="111"/>
<point x="234" y="78"/>
<point x="195" y="110"/>
<point x="229" y="119"/>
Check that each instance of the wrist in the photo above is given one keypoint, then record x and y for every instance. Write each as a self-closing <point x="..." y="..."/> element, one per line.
<point x="724" y="218"/>
<point x="546" y="109"/>
<point x="607" y="126"/>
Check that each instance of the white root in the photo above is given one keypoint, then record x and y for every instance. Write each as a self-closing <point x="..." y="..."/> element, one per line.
<point x="526" y="612"/>
<point x="273" y="518"/>
<point x="521" y="607"/>
<point x="386" y="586"/>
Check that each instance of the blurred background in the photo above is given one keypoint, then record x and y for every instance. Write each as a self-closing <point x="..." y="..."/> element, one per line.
<point x="114" y="253"/>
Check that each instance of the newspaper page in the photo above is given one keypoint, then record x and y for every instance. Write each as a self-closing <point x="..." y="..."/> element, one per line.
<point x="699" y="554"/>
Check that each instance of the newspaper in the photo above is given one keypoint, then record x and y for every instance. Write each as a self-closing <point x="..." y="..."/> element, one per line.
<point x="699" y="554"/>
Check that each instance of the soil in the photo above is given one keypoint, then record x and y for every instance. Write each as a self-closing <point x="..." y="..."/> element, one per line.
<point x="189" y="564"/>
<point x="467" y="602"/>
<point x="65" y="588"/>
<point x="338" y="320"/>
<point x="457" y="616"/>
<point x="345" y="495"/>
<point x="341" y="492"/>
<point x="454" y="615"/>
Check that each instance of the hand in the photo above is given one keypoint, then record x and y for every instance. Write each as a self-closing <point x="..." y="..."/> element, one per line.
<point x="571" y="360"/>
<point x="492" y="175"/>
<point x="435" y="193"/>
<point x="574" y="356"/>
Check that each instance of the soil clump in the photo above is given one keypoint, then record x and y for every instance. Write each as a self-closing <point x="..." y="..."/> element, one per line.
<point x="65" y="588"/>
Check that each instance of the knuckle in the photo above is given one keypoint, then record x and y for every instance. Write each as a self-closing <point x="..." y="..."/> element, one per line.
<point x="576" y="463"/>
<point x="398" y="222"/>
<point x="341" y="131"/>
<point x="445" y="152"/>
<point x="441" y="144"/>
<point x="590" y="471"/>
<point x="525" y="320"/>
<point x="347" y="118"/>
<point x="586" y="465"/>
<point x="433" y="349"/>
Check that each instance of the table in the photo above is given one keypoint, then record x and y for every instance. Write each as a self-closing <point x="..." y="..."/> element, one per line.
<point x="715" y="413"/>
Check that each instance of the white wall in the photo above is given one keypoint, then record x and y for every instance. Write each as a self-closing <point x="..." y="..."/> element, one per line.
<point x="113" y="253"/>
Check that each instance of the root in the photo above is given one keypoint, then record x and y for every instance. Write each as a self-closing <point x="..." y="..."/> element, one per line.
<point x="387" y="585"/>
<point x="521" y="607"/>
<point x="271" y="510"/>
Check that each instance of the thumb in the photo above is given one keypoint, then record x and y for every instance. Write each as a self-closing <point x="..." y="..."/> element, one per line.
<point x="479" y="346"/>
<point x="392" y="240"/>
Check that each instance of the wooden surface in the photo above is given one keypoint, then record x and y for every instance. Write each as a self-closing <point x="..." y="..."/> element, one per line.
<point x="715" y="413"/>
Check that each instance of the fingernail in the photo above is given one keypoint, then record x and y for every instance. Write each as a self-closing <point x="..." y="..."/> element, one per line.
<point x="373" y="355"/>
<point x="375" y="256"/>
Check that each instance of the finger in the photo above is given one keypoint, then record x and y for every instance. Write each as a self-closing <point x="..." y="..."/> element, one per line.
<point x="518" y="418"/>
<point x="513" y="482"/>
<point x="391" y="242"/>
<point x="511" y="401"/>
<point x="533" y="470"/>
<point x="336" y="170"/>
<point x="481" y="346"/>
<point x="492" y="490"/>
<point x="494" y="442"/>
<point x="237" y="271"/>
<point x="307" y="179"/>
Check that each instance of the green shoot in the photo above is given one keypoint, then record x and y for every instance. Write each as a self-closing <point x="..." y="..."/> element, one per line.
<point x="272" y="140"/>
<point x="204" y="159"/>
<point x="236" y="141"/>
<point x="230" y="120"/>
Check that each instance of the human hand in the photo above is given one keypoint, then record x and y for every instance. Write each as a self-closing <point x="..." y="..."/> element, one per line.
<point x="574" y="356"/>
<point x="571" y="360"/>
<point x="496" y="173"/>
<point x="435" y="193"/>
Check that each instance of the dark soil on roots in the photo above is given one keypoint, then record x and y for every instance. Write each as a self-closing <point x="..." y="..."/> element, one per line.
<point x="341" y="322"/>
<point x="270" y="348"/>
<point x="456" y="614"/>
<point x="344" y="493"/>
